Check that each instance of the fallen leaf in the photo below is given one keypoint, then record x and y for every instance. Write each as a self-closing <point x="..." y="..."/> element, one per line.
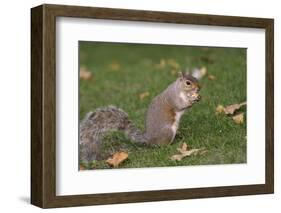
<point x="183" y="154"/>
<point x="183" y="148"/>
<point x="114" y="66"/>
<point x="203" y="71"/>
<point x="184" y="151"/>
<point x="238" y="119"/>
<point x="229" y="110"/>
<point x="84" y="73"/>
<point x="177" y="157"/>
<point x="211" y="77"/>
<point x="219" y="109"/>
<point x="117" y="159"/>
<point x="143" y="95"/>
<point x="192" y="152"/>
<point x="199" y="73"/>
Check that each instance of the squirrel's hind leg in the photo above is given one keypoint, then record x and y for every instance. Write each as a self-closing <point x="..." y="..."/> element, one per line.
<point x="163" y="137"/>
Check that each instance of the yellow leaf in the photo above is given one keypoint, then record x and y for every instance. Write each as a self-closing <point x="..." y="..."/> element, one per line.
<point x="184" y="152"/>
<point x="211" y="77"/>
<point x="84" y="73"/>
<point x="183" y="148"/>
<point x="229" y="110"/>
<point x="203" y="71"/>
<point x="219" y="109"/>
<point x="177" y="157"/>
<point x="238" y="119"/>
<point x="117" y="159"/>
<point x="143" y="95"/>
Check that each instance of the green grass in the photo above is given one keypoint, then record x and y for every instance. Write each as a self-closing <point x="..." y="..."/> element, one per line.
<point x="139" y="72"/>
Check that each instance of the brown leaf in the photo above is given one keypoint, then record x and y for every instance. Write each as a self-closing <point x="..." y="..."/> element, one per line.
<point x="117" y="159"/>
<point x="183" y="148"/>
<point x="211" y="77"/>
<point x="177" y="157"/>
<point x="238" y="119"/>
<point x="184" y="151"/>
<point x="84" y="73"/>
<point x="114" y="66"/>
<point x="183" y="154"/>
<point x="192" y="152"/>
<point x="229" y="110"/>
<point x="143" y="95"/>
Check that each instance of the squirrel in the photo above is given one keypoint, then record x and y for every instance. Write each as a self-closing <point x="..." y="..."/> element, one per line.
<point x="162" y="119"/>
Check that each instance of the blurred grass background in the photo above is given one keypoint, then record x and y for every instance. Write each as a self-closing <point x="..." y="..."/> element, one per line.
<point x="121" y="73"/>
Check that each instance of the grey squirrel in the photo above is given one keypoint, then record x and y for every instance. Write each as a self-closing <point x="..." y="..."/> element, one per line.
<point x="162" y="119"/>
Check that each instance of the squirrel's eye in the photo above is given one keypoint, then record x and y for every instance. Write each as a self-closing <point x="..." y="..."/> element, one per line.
<point x="188" y="83"/>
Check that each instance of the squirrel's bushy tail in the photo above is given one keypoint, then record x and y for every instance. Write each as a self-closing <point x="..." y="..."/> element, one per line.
<point x="96" y="124"/>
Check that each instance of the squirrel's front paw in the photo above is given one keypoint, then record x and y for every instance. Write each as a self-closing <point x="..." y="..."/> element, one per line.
<point x="195" y="97"/>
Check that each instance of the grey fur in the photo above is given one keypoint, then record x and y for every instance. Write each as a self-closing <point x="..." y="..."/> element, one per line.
<point x="94" y="126"/>
<point x="158" y="124"/>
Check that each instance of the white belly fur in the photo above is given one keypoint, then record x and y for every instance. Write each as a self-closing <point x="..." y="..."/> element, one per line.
<point x="183" y="97"/>
<point x="176" y="123"/>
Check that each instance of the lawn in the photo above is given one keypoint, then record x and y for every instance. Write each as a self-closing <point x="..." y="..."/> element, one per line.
<point x="121" y="73"/>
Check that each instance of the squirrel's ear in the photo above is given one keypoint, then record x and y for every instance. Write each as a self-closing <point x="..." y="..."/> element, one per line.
<point x="180" y="75"/>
